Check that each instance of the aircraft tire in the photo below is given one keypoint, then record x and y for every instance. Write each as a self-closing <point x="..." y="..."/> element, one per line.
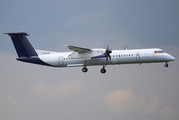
<point x="84" y="69"/>
<point x="103" y="70"/>
<point x="166" y="65"/>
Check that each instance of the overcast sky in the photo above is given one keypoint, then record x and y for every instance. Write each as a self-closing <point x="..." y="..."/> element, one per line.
<point x="34" y="92"/>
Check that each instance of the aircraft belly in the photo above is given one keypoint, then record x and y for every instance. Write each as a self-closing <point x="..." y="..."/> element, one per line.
<point x="114" y="60"/>
<point x="49" y="59"/>
<point x="98" y="61"/>
<point x="126" y="60"/>
<point x="74" y="62"/>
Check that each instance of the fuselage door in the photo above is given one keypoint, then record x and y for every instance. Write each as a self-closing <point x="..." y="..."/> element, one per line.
<point x="60" y="60"/>
<point x="138" y="56"/>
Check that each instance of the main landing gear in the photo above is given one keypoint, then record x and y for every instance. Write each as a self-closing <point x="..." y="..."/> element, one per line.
<point x="166" y="64"/>
<point x="85" y="69"/>
<point x="103" y="70"/>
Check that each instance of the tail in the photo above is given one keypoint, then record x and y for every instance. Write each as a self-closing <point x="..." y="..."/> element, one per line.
<point x="25" y="51"/>
<point x="22" y="45"/>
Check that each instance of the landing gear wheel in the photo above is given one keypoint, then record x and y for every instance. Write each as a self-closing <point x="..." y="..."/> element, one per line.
<point x="103" y="70"/>
<point x="166" y="65"/>
<point x="84" y="69"/>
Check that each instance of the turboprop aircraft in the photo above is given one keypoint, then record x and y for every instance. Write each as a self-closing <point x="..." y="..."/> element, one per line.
<point x="83" y="57"/>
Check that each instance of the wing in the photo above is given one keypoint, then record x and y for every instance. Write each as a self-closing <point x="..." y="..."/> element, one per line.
<point x="78" y="49"/>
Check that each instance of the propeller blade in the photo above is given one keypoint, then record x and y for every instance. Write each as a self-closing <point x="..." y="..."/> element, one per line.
<point x="107" y="53"/>
<point x="109" y="57"/>
<point x="106" y="59"/>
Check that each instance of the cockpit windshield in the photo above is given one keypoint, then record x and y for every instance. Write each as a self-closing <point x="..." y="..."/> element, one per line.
<point x="159" y="51"/>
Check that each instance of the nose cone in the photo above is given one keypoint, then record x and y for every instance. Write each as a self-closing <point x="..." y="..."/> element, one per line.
<point x="170" y="58"/>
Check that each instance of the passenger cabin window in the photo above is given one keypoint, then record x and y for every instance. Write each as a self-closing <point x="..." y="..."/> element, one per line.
<point x="159" y="51"/>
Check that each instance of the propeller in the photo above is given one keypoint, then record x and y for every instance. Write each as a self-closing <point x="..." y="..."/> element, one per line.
<point x="107" y="53"/>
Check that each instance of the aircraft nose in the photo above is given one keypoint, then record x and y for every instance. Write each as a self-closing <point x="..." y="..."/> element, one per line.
<point x="171" y="58"/>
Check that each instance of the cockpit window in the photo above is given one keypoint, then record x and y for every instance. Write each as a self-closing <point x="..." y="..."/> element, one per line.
<point x="159" y="51"/>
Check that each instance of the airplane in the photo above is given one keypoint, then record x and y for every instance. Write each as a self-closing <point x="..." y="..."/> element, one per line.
<point x="83" y="57"/>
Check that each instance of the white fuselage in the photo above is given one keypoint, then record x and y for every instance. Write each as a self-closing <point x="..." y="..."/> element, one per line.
<point x="85" y="56"/>
<point x="63" y="59"/>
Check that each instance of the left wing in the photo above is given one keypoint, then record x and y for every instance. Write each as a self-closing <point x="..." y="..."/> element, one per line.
<point x="78" y="49"/>
<point x="85" y="53"/>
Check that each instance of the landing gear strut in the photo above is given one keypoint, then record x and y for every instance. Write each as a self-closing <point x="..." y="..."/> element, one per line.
<point x="103" y="70"/>
<point x="84" y="69"/>
<point x="166" y="64"/>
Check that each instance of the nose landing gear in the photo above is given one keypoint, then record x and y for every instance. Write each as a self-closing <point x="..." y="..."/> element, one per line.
<point x="166" y="64"/>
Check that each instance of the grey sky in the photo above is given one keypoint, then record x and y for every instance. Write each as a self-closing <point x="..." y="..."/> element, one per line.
<point x="125" y="92"/>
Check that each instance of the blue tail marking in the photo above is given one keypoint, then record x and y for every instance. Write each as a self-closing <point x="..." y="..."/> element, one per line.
<point x="22" y="45"/>
<point x="25" y="51"/>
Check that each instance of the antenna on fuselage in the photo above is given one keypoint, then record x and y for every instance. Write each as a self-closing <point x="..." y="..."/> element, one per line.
<point x="126" y="48"/>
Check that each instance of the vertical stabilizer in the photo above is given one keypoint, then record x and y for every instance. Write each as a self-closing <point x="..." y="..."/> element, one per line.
<point x="22" y="45"/>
